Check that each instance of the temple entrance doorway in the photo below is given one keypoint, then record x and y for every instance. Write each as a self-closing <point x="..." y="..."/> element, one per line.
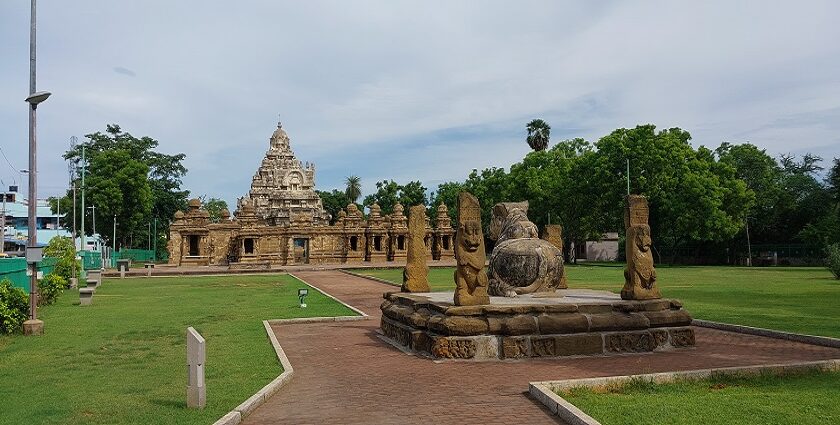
<point x="301" y="246"/>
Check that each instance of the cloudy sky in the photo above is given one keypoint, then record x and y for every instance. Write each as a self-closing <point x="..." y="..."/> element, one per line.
<point x="409" y="90"/>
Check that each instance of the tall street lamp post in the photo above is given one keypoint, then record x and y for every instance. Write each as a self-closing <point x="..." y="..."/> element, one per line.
<point x="33" y="326"/>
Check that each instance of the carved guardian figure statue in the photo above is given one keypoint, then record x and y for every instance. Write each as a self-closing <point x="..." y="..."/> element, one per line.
<point x="470" y="276"/>
<point x="521" y="263"/>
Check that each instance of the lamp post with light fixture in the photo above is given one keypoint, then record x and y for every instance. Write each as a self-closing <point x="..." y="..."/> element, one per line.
<point x="33" y="326"/>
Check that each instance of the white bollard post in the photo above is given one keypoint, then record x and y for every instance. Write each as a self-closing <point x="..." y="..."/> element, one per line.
<point x="196" y="391"/>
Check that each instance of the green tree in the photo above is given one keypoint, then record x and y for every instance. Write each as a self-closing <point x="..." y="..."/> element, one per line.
<point x="214" y="207"/>
<point x="333" y="201"/>
<point x="692" y="197"/>
<point x="160" y="188"/>
<point x="556" y="184"/>
<point x="353" y="188"/>
<point x="411" y="194"/>
<point x="64" y="249"/>
<point x="387" y="195"/>
<point x="538" y="134"/>
<point x="490" y="186"/>
<point x="447" y="193"/>
<point x="762" y="175"/>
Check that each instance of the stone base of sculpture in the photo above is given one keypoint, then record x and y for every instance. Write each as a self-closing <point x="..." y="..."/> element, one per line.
<point x="575" y="322"/>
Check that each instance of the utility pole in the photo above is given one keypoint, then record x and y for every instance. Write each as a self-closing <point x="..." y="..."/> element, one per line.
<point x="749" y="248"/>
<point x="33" y="326"/>
<point x="114" y="242"/>
<point x="93" y="216"/>
<point x="83" y="247"/>
<point x="628" y="176"/>
<point x="3" y="218"/>
<point x="149" y="245"/>
<point x="154" y="253"/>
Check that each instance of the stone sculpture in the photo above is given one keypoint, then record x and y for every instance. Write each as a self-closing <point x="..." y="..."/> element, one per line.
<point x="639" y="275"/>
<point x="470" y="276"/>
<point x="521" y="263"/>
<point x="554" y="234"/>
<point x="416" y="272"/>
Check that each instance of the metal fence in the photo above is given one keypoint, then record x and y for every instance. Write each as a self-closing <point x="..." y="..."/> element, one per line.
<point x="14" y="269"/>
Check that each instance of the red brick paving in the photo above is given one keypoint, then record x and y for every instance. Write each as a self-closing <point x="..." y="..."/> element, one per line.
<point x="345" y="374"/>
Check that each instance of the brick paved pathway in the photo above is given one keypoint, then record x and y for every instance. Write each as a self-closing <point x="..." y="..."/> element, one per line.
<point x="344" y="374"/>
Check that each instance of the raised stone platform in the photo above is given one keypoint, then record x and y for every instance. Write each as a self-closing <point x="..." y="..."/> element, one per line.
<point x="571" y="322"/>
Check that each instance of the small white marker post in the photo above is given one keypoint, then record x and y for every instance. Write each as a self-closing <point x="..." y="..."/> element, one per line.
<point x="196" y="391"/>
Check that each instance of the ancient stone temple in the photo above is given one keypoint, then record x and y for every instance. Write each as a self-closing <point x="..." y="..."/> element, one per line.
<point x="283" y="186"/>
<point x="282" y="222"/>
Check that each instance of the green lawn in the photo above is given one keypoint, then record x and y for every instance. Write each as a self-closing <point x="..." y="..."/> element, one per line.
<point x="795" y="299"/>
<point x="123" y="359"/>
<point x="803" y="398"/>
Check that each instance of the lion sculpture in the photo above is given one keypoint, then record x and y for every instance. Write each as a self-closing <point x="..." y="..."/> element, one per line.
<point x="521" y="263"/>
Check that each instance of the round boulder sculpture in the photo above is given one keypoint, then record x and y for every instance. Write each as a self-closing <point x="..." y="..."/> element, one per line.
<point x="521" y="263"/>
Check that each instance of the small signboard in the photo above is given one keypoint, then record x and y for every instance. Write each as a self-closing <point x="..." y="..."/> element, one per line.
<point x="34" y="254"/>
<point x="302" y="293"/>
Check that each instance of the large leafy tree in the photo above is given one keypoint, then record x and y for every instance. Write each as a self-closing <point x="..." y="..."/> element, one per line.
<point x="333" y="201"/>
<point x="155" y="180"/>
<point x="447" y="193"/>
<point x="692" y="197"/>
<point x="490" y="186"/>
<point x="389" y="192"/>
<point x="538" y="134"/>
<point x="214" y="207"/>
<point x="556" y="184"/>
<point x="353" y="188"/>
<point x="762" y="175"/>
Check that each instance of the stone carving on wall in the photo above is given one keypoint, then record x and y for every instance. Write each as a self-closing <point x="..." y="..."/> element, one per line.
<point x="639" y="275"/>
<point x="470" y="276"/>
<point x="416" y="272"/>
<point x="521" y="263"/>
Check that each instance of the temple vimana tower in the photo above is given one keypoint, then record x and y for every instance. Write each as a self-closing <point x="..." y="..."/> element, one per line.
<point x="282" y="221"/>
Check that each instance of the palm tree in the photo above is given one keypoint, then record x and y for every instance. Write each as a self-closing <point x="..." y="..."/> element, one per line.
<point x="354" y="188"/>
<point x="538" y="133"/>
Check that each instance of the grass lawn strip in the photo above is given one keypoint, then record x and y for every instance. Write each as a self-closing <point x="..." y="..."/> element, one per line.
<point x="793" y="299"/>
<point x="122" y="359"/>
<point x="762" y="396"/>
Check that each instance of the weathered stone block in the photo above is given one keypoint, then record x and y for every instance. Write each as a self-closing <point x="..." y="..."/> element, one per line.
<point x="562" y="323"/>
<point x="520" y="325"/>
<point x="467" y="310"/>
<point x="560" y="308"/>
<point x="515" y="347"/>
<point x="579" y="345"/>
<point x="543" y="346"/>
<point x="450" y="348"/>
<point x="617" y="321"/>
<point x="420" y="341"/>
<point x="624" y="342"/>
<point x="464" y="326"/>
<point x="660" y="337"/>
<point x="683" y="337"/>
<point x="595" y="308"/>
<point x="668" y="318"/>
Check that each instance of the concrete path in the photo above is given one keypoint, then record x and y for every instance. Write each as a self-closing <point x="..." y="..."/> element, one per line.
<point x="344" y="374"/>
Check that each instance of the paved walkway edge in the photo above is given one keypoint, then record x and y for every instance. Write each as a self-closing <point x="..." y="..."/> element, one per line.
<point x="545" y="391"/>
<point x="373" y="278"/>
<point x="770" y="333"/>
<point x="239" y="413"/>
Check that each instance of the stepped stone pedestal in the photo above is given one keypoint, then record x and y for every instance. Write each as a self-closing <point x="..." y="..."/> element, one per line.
<point x="569" y="322"/>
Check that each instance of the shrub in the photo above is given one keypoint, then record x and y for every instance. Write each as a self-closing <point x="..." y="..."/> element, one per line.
<point x="50" y="287"/>
<point x="14" y="307"/>
<point x="832" y="260"/>
<point x="63" y="249"/>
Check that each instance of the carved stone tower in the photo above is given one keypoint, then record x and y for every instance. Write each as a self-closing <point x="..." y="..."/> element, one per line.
<point x="283" y="188"/>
